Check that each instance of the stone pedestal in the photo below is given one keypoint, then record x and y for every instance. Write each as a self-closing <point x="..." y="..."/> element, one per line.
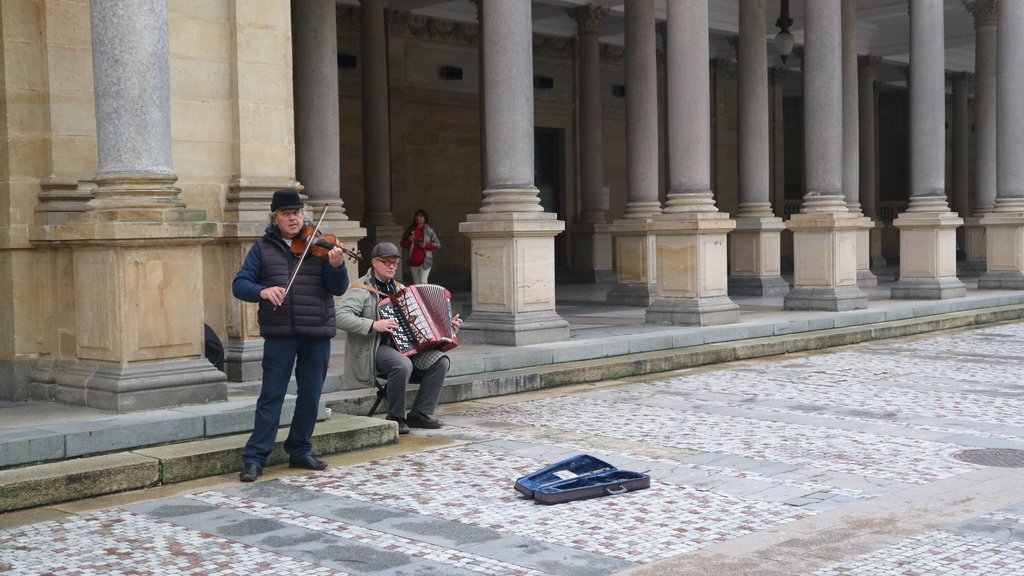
<point x="974" y="247"/>
<point x="865" y="278"/>
<point x="755" y="256"/>
<point x="1004" y="233"/>
<point x="137" y="340"/>
<point x="825" y="266"/>
<point x="592" y="252"/>
<point x="636" y="273"/>
<point x="692" y="287"/>
<point x="875" y="241"/>
<point x="928" y="256"/>
<point x="513" y="268"/>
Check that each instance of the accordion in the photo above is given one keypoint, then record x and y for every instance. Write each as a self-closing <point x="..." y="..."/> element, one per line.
<point x="424" y="316"/>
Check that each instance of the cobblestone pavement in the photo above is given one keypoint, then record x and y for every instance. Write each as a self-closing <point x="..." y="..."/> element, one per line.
<point x="830" y="463"/>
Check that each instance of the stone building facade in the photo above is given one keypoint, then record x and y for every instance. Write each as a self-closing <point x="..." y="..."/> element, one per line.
<point x="142" y="142"/>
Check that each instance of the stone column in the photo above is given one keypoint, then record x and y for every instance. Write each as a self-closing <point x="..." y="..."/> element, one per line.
<point x="137" y="340"/>
<point x="635" y="264"/>
<point x="868" y="180"/>
<point x="986" y="22"/>
<point x="755" y="245"/>
<point x="512" y="238"/>
<point x="927" y="228"/>
<point x="851" y="143"/>
<point x="824" y="231"/>
<point x="378" y="217"/>
<point x="960" y="135"/>
<point x="592" y="245"/>
<point x="317" y="124"/>
<point x="690" y="232"/>
<point x="1004" y="225"/>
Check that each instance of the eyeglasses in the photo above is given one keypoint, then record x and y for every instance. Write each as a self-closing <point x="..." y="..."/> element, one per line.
<point x="389" y="263"/>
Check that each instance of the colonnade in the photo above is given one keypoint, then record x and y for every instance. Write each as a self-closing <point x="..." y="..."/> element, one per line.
<point x="670" y="258"/>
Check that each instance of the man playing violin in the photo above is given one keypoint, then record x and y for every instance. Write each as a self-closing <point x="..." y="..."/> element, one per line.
<point x="296" y="325"/>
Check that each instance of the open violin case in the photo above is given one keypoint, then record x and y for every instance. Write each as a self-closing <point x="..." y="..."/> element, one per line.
<point x="579" y="478"/>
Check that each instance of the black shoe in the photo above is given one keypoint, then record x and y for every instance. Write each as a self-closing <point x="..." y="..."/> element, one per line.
<point x="309" y="462"/>
<point x="417" y="420"/>
<point x="250" y="472"/>
<point x="403" y="428"/>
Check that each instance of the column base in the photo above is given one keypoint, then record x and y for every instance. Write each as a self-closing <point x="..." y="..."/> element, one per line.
<point x="866" y="279"/>
<point x="710" y="311"/>
<point x="118" y="388"/>
<point x="928" y="254"/>
<point x="837" y="299"/>
<point x="631" y="295"/>
<point x="243" y="360"/>
<point x="1001" y="281"/>
<point x="14" y="380"/>
<point x="513" y="329"/>
<point x="765" y="286"/>
<point x="513" y="297"/>
<point x="975" y="250"/>
<point x="928" y="289"/>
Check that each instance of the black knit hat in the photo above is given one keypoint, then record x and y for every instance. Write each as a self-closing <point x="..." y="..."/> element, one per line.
<point x="286" y="199"/>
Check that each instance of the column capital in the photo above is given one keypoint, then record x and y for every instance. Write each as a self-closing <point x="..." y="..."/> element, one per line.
<point x="867" y="65"/>
<point x="588" y="18"/>
<point x="960" y="81"/>
<point x="798" y="51"/>
<point x="985" y="12"/>
<point x="734" y="43"/>
<point x="777" y="75"/>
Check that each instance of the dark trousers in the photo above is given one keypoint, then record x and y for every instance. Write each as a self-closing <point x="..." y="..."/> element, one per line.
<point x="309" y="356"/>
<point x="400" y="372"/>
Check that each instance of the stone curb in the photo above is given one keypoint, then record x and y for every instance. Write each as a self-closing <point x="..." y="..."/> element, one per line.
<point x="80" y="478"/>
<point x="472" y="387"/>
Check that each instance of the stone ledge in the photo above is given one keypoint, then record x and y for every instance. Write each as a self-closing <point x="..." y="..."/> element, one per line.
<point x="475" y="386"/>
<point x="97" y="475"/>
<point x="76" y="479"/>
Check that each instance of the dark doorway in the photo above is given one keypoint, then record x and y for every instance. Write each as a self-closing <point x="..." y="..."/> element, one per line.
<point x="549" y="178"/>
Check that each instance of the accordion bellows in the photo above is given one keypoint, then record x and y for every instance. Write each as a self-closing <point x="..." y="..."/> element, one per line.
<point x="424" y="316"/>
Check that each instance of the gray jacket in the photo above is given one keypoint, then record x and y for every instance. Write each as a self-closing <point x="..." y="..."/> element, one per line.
<point x="356" y="312"/>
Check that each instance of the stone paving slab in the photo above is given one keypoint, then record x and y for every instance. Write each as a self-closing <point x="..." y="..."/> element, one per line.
<point x="815" y="463"/>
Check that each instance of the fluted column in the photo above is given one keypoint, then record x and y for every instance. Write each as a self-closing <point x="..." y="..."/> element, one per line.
<point x="512" y="238"/>
<point x="592" y="244"/>
<point x="755" y="245"/>
<point x="927" y="228"/>
<point x="868" y="141"/>
<point x="1004" y="226"/>
<point x="986" y="21"/>
<point x="635" y="256"/>
<point x="824" y="232"/>
<point x="690" y="232"/>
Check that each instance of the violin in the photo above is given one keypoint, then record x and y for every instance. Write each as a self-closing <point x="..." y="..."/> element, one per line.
<point x="319" y="244"/>
<point x="311" y="240"/>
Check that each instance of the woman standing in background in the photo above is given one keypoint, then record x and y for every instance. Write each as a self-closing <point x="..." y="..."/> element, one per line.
<point x="419" y="242"/>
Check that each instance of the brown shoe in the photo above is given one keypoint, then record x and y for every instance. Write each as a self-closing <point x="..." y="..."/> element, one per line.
<point x="417" y="420"/>
<point x="403" y="428"/>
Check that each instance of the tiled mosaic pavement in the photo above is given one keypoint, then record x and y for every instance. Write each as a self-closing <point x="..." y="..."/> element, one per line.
<point x="733" y="452"/>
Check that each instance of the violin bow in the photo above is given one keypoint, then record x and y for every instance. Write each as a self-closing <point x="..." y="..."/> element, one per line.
<point x="305" y="251"/>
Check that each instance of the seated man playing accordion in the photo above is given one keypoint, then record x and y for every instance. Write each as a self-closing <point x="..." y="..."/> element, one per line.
<point x="369" y="347"/>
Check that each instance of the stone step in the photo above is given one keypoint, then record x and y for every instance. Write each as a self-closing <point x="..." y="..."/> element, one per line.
<point x="78" y="478"/>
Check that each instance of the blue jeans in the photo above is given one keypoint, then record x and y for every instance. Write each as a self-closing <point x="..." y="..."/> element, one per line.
<point x="309" y="356"/>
